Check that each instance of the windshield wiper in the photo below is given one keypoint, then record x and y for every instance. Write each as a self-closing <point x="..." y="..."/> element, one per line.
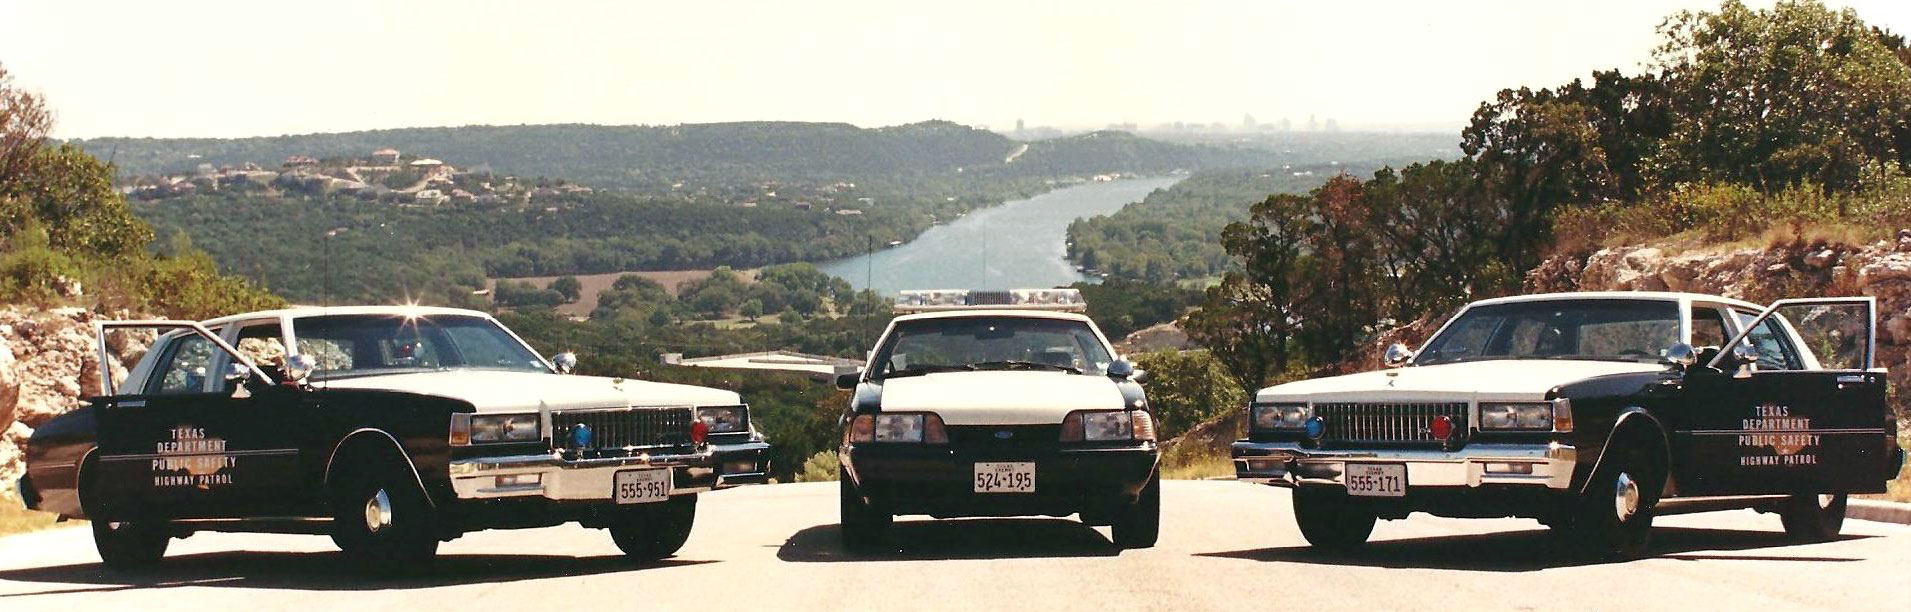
<point x="1023" y="365"/>
<point x="926" y="369"/>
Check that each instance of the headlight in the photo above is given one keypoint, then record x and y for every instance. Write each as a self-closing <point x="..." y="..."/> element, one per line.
<point x="1531" y="416"/>
<point x="725" y="419"/>
<point x="1108" y="426"/>
<point x="504" y="428"/>
<point x="1269" y="417"/>
<point x="898" y="427"/>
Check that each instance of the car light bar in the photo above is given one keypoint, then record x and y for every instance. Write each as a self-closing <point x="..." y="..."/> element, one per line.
<point x="932" y="300"/>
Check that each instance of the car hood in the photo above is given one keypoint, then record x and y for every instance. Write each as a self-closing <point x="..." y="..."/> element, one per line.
<point x="1505" y="379"/>
<point x="497" y="391"/>
<point x="1000" y="398"/>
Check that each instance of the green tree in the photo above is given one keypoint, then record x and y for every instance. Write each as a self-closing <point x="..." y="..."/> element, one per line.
<point x="751" y="309"/>
<point x="1770" y="98"/>
<point x="569" y="287"/>
<point x="1187" y="388"/>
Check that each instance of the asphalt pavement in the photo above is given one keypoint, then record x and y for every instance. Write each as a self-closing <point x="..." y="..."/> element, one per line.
<point x="1224" y="546"/>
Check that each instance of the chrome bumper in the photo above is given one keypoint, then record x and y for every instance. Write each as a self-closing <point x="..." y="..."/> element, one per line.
<point x="1287" y="464"/>
<point x="581" y="480"/>
<point x="743" y="463"/>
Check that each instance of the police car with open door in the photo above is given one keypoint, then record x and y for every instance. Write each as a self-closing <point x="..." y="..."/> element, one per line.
<point x="997" y="403"/>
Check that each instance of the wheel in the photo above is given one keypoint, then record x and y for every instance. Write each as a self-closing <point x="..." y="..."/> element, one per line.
<point x="863" y="527"/>
<point x="1098" y="517"/>
<point x="1329" y="521"/>
<point x="381" y="519"/>
<point x="125" y="546"/>
<point x="655" y="531"/>
<point x="1813" y="518"/>
<point x="1613" y="519"/>
<point x="1138" y="525"/>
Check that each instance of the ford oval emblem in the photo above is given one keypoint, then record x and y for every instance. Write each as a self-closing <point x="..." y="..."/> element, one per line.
<point x="1004" y="434"/>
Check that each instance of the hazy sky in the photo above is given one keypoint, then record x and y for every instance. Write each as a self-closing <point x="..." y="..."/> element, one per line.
<point x="247" y="68"/>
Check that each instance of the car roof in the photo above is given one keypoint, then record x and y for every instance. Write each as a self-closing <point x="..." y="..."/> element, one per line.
<point x="996" y="312"/>
<point x="1672" y="296"/>
<point x="316" y="311"/>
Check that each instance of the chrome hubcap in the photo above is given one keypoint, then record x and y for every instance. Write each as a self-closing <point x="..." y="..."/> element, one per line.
<point x="1625" y="497"/>
<point x="378" y="512"/>
<point x="1825" y="501"/>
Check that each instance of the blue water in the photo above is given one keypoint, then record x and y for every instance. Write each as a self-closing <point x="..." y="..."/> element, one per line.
<point x="1020" y="244"/>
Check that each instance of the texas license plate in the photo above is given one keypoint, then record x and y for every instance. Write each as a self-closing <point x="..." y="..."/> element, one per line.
<point x="1377" y="479"/>
<point x="640" y="486"/>
<point x="1005" y="477"/>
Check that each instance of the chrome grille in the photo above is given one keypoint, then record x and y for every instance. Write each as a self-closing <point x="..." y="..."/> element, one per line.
<point x="1388" y="421"/>
<point x="623" y="428"/>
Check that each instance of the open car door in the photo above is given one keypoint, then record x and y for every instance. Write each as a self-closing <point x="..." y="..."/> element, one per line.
<point x="1792" y="405"/>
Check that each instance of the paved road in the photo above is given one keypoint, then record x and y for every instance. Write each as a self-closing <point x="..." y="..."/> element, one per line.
<point x="1224" y="545"/>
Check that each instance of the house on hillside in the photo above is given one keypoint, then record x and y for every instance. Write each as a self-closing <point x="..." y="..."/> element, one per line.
<point x="430" y="196"/>
<point x="300" y="161"/>
<point x="386" y="156"/>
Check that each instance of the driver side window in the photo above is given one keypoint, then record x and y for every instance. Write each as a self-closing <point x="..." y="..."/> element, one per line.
<point x="184" y="368"/>
<point x="1775" y="351"/>
<point x="1708" y="327"/>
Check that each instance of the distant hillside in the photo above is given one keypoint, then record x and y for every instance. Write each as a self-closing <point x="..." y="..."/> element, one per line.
<point x="658" y="157"/>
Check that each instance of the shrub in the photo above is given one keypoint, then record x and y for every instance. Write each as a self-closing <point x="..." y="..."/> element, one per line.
<point x="821" y="467"/>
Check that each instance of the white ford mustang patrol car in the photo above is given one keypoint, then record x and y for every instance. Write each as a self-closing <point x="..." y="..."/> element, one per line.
<point x="998" y="403"/>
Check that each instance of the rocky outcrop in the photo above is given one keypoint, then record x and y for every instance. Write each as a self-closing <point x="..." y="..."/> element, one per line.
<point x="1880" y="269"/>
<point x="49" y="364"/>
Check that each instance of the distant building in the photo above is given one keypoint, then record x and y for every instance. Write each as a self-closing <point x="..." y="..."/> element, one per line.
<point x="385" y="156"/>
<point x="849" y="212"/>
<point x="300" y="161"/>
<point x="430" y="196"/>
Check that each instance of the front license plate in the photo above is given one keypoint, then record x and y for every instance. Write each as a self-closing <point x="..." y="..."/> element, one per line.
<point x="640" y="486"/>
<point x="1005" y="477"/>
<point x="1377" y="479"/>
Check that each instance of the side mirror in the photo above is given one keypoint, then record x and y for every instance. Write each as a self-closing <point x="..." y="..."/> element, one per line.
<point x="1122" y="368"/>
<point x="237" y="372"/>
<point x="1745" y="356"/>
<point x="298" y="367"/>
<point x="1680" y="356"/>
<point x="847" y="381"/>
<point x="566" y="362"/>
<point x="1398" y="355"/>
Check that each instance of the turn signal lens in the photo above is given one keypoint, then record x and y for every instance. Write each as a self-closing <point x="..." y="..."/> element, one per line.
<point x="862" y="428"/>
<point x="932" y="431"/>
<point x="1441" y="428"/>
<point x="460" y="429"/>
<point x="1144" y="425"/>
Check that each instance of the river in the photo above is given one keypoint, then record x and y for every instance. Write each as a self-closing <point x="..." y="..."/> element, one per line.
<point x="1021" y="243"/>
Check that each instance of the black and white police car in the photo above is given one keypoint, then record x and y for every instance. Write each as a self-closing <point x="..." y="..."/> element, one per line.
<point x="997" y="403"/>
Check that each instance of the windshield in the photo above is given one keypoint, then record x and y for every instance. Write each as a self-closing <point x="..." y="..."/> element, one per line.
<point x="359" y="345"/>
<point x="1622" y="330"/>
<point x="980" y="343"/>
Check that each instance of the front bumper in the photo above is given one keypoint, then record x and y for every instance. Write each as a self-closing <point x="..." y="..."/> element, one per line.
<point x="583" y="480"/>
<point x="1287" y="464"/>
<point x="743" y="463"/>
<point x="940" y="481"/>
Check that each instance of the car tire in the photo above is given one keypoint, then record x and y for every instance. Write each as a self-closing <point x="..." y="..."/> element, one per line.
<point x="1138" y="525"/>
<point x="130" y="545"/>
<point x="1813" y="518"/>
<point x="655" y="531"/>
<point x="381" y="518"/>
<point x="1329" y="521"/>
<point x="1613" y="519"/>
<point x="863" y="527"/>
